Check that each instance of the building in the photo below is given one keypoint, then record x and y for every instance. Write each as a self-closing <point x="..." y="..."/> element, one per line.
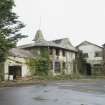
<point x="62" y="55"/>
<point x="15" y="65"/>
<point x="104" y="58"/>
<point x="93" y="55"/>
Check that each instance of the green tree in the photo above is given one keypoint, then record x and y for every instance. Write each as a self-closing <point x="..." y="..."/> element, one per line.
<point x="10" y="28"/>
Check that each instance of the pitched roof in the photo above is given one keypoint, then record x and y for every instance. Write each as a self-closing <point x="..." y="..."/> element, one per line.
<point x="61" y="43"/>
<point x="65" y="43"/>
<point x="87" y="42"/>
<point x="17" y="52"/>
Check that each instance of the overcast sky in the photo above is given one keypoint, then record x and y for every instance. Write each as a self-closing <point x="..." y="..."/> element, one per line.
<point x="78" y="20"/>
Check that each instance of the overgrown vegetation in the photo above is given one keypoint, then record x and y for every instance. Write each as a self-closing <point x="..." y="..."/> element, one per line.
<point x="40" y="65"/>
<point x="1" y="71"/>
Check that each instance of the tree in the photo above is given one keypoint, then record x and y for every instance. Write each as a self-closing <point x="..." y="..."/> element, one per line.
<point x="10" y="28"/>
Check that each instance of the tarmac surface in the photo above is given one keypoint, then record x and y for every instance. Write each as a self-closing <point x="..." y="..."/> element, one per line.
<point x="75" y="92"/>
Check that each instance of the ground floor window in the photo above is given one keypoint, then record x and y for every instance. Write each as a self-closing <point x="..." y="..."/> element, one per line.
<point x="15" y="71"/>
<point x="97" y="69"/>
<point x="57" y="67"/>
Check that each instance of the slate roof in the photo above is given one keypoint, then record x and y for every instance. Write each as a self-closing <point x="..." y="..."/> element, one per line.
<point x="17" y="52"/>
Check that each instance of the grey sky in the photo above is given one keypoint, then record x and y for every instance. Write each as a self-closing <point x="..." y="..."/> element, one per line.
<point x="78" y="20"/>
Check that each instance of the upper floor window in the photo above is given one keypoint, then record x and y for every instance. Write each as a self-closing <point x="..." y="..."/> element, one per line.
<point x="51" y="51"/>
<point x="57" y="52"/>
<point x="85" y="55"/>
<point x="98" y="54"/>
<point x="63" y="52"/>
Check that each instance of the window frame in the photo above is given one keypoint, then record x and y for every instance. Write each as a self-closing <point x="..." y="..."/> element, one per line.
<point x="98" y="54"/>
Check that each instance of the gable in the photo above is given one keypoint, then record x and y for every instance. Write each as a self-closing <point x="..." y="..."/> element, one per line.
<point x="86" y="43"/>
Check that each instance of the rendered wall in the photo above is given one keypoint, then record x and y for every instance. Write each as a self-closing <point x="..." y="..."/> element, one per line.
<point x="92" y="59"/>
<point x="16" y="61"/>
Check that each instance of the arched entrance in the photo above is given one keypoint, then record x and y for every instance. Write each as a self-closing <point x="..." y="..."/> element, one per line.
<point x="88" y="69"/>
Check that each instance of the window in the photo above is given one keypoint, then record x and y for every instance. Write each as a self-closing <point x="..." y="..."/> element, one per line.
<point x="97" y="68"/>
<point x="98" y="54"/>
<point x="57" y="67"/>
<point x="57" y="52"/>
<point x="63" y="53"/>
<point x="85" y="55"/>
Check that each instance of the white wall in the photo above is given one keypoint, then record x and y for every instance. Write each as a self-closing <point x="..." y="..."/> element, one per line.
<point x="68" y="59"/>
<point x="16" y="61"/>
<point x="91" y="49"/>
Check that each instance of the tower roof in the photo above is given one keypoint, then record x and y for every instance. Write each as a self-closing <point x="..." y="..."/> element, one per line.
<point x="40" y="41"/>
<point x="38" y="36"/>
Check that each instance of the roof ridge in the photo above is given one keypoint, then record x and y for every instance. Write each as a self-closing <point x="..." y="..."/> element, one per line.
<point x="88" y="42"/>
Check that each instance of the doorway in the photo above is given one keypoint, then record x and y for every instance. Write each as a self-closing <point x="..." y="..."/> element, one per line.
<point x="88" y="69"/>
<point x="15" y="71"/>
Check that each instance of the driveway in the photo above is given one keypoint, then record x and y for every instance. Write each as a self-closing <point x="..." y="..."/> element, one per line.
<point x="75" y="92"/>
